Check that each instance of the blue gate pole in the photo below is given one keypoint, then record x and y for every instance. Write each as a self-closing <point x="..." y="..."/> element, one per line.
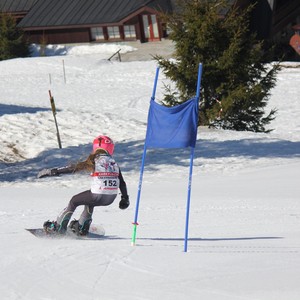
<point x="135" y="223"/>
<point x="191" y="170"/>
<point x="199" y="81"/>
<point x="188" y="201"/>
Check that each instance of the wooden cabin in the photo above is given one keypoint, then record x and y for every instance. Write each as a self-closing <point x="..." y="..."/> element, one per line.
<point x="85" y="21"/>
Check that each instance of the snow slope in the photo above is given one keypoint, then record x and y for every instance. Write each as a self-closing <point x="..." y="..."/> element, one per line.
<point x="245" y="210"/>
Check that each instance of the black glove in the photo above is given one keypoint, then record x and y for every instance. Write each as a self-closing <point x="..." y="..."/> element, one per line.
<point x="48" y="172"/>
<point x="57" y="171"/>
<point x="124" y="203"/>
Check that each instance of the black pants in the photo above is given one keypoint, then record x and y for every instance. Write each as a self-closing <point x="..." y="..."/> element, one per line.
<point x="89" y="200"/>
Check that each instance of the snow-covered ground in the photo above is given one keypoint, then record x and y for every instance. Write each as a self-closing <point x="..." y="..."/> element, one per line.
<point x="245" y="205"/>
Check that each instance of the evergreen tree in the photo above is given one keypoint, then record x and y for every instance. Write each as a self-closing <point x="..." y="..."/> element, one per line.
<point x="12" y="43"/>
<point x="236" y="80"/>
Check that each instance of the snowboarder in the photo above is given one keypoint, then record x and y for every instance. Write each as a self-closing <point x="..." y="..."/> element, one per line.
<point x="106" y="179"/>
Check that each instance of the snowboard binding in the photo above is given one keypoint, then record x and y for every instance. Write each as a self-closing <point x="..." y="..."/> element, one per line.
<point x="80" y="230"/>
<point x="50" y="227"/>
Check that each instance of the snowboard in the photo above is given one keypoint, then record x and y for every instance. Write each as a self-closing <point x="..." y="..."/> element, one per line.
<point x="95" y="232"/>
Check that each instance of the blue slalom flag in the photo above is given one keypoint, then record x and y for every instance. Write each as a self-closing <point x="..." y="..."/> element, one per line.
<point x="172" y="127"/>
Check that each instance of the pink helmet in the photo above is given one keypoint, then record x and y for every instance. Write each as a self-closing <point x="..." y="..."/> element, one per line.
<point x="105" y="143"/>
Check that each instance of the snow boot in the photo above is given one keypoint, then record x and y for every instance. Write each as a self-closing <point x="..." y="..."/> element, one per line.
<point x="50" y="227"/>
<point x="63" y="221"/>
<point x="80" y="230"/>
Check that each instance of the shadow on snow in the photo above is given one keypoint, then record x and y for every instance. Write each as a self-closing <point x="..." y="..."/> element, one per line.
<point x="129" y="155"/>
<point x="214" y="239"/>
<point x="9" y="109"/>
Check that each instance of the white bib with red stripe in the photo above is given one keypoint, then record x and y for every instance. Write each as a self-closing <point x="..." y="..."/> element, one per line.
<point x="105" y="179"/>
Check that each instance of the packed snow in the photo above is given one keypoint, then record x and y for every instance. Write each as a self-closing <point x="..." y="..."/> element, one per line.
<point x="244" y="230"/>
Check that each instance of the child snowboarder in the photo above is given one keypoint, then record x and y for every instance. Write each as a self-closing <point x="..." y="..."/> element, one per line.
<point x="106" y="179"/>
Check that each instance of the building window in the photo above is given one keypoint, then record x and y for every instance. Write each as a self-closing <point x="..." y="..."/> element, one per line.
<point x="146" y="26"/>
<point x="97" y="33"/>
<point x="113" y="32"/>
<point x="129" y="31"/>
<point x="154" y="26"/>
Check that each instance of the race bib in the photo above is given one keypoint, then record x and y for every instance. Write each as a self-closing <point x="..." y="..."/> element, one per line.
<point x="105" y="179"/>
